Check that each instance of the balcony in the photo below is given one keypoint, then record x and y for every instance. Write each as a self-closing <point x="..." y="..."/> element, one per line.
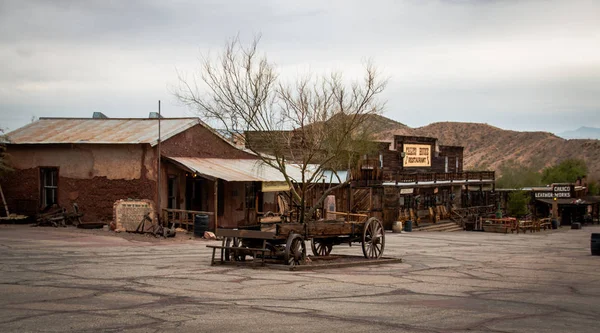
<point x="431" y="178"/>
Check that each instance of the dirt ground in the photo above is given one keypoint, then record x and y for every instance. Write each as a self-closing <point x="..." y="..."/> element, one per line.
<point x="180" y="236"/>
<point x="69" y="280"/>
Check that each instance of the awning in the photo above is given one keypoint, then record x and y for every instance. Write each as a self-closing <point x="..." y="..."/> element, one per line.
<point x="275" y="186"/>
<point x="590" y="200"/>
<point x="235" y="170"/>
<point x="330" y="177"/>
<point x="484" y="187"/>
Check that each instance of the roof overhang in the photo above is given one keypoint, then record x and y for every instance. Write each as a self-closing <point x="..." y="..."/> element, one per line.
<point x="235" y="170"/>
<point x="571" y="201"/>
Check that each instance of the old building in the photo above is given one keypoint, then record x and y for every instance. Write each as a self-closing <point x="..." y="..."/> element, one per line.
<point x="96" y="161"/>
<point x="415" y="178"/>
<point x="571" y="201"/>
<point x="408" y="178"/>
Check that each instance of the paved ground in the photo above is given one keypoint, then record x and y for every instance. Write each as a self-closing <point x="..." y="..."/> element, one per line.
<point x="58" y="280"/>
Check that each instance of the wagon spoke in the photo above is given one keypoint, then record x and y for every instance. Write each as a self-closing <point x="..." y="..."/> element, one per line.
<point x="321" y="247"/>
<point x="377" y="250"/>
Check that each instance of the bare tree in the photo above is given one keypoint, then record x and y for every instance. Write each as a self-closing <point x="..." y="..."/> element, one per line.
<point x="316" y="122"/>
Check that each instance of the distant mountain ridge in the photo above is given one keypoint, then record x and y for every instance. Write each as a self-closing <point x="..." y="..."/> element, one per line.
<point x="583" y="132"/>
<point x="489" y="147"/>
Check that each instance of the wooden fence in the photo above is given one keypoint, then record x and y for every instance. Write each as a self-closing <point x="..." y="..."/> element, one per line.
<point x="183" y="218"/>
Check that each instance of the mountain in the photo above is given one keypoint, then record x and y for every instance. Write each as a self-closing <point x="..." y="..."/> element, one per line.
<point x="582" y="133"/>
<point x="489" y="147"/>
<point x="385" y="124"/>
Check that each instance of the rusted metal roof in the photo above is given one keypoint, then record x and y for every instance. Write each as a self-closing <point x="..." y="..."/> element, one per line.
<point x="236" y="170"/>
<point x="99" y="131"/>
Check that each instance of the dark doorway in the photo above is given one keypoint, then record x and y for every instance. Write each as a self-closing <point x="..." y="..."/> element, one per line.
<point x="193" y="193"/>
<point x="172" y="185"/>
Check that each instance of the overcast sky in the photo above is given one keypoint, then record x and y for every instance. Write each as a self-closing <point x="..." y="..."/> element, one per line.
<point x="524" y="65"/>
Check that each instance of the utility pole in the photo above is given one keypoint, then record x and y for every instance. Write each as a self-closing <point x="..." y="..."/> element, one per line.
<point x="158" y="208"/>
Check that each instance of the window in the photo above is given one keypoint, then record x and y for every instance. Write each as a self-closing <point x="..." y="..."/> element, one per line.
<point x="48" y="186"/>
<point x="251" y="189"/>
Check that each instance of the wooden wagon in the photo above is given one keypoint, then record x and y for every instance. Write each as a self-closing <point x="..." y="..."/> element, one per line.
<point x="286" y="242"/>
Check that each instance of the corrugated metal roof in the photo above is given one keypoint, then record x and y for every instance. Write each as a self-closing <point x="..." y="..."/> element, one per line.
<point x="99" y="131"/>
<point x="329" y="177"/>
<point x="236" y="170"/>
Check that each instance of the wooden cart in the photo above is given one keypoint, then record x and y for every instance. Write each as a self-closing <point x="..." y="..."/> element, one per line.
<point x="286" y="241"/>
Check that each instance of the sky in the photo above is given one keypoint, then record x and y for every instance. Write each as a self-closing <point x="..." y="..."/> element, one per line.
<point x="521" y="65"/>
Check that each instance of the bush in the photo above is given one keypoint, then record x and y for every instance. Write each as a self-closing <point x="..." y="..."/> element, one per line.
<point x="517" y="203"/>
<point x="566" y="171"/>
<point x="593" y="188"/>
<point x="518" y="176"/>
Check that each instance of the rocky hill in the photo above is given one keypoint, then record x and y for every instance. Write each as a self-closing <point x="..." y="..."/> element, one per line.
<point x="489" y="147"/>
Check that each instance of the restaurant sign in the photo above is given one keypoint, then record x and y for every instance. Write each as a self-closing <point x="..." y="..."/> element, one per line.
<point x="417" y="155"/>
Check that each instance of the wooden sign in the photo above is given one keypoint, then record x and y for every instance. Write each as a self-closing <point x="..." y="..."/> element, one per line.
<point x="416" y="155"/>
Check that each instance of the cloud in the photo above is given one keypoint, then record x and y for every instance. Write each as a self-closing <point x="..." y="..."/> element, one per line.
<point x="502" y="62"/>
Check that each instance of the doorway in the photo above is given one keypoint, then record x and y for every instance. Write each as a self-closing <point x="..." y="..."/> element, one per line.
<point x="194" y="194"/>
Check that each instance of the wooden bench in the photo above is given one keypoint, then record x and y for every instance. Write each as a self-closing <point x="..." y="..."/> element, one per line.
<point x="255" y="252"/>
<point x="525" y="225"/>
<point x="544" y="223"/>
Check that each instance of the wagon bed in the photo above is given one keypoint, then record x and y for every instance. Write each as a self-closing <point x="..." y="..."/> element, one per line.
<point x="285" y="241"/>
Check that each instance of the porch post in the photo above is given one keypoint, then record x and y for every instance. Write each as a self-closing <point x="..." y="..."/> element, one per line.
<point x="216" y="203"/>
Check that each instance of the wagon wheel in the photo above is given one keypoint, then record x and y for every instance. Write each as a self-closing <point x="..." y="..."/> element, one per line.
<point x="238" y="255"/>
<point x="320" y="246"/>
<point x="272" y="248"/>
<point x="230" y="242"/>
<point x="373" y="240"/>
<point x="295" y="250"/>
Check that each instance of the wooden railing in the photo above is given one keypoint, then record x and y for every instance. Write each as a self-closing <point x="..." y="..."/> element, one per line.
<point x="403" y="177"/>
<point x="466" y="215"/>
<point x="349" y="217"/>
<point x="181" y="218"/>
<point x="475" y="210"/>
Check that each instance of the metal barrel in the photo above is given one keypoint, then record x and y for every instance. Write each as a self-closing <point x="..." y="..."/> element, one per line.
<point x="595" y="244"/>
<point x="200" y="224"/>
<point x="408" y="226"/>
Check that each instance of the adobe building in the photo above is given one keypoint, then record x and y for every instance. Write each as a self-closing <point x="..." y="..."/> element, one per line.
<point x="96" y="161"/>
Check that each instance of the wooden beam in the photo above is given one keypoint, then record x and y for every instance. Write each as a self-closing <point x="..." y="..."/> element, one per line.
<point x="4" y="201"/>
<point x="216" y="203"/>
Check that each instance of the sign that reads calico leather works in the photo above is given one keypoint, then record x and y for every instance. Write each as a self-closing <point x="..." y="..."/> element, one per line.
<point x="557" y="191"/>
<point x="417" y="155"/>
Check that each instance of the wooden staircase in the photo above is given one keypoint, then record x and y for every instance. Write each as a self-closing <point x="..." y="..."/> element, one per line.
<point x="441" y="226"/>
